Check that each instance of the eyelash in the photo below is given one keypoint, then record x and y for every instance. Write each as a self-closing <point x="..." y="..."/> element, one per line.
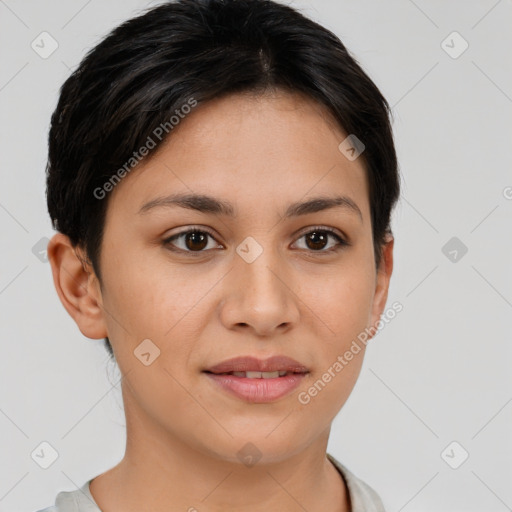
<point x="196" y="229"/>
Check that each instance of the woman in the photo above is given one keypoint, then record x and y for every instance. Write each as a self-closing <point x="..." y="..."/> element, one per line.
<point x="221" y="175"/>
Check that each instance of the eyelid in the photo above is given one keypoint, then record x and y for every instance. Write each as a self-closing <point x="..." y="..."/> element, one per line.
<point x="193" y="228"/>
<point x="333" y="231"/>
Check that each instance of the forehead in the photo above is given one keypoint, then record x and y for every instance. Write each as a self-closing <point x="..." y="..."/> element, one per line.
<point x="249" y="148"/>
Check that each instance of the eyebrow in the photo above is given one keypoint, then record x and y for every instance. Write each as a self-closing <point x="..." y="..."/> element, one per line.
<point x="208" y="204"/>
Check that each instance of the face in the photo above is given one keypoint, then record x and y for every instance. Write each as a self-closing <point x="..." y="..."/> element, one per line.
<point x="248" y="272"/>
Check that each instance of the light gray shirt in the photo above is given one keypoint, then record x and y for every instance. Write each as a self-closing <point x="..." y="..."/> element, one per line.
<point x="362" y="497"/>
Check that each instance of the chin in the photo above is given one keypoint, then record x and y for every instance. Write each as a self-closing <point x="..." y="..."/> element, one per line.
<point x="261" y="444"/>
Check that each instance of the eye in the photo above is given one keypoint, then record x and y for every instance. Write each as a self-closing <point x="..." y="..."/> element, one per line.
<point x="317" y="240"/>
<point x="196" y="240"/>
<point x="192" y="240"/>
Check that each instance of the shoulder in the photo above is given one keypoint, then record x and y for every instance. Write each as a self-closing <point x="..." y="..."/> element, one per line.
<point x="79" y="500"/>
<point x="362" y="497"/>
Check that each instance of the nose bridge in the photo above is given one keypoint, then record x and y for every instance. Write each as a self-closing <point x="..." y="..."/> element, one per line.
<point x="259" y="296"/>
<point x="261" y="280"/>
<point x="257" y="273"/>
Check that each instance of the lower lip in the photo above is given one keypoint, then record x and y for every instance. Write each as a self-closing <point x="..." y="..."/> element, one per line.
<point x="258" y="390"/>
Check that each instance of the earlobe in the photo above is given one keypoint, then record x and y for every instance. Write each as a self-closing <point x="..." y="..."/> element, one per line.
<point x="75" y="282"/>
<point x="382" y="280"/>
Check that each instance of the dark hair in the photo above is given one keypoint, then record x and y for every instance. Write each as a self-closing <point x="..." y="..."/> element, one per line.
<point x="147" y="68"/>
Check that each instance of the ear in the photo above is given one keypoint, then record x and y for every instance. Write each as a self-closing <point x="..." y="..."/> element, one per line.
<point x="77" y="286"/>
<point x="382" y="282"/>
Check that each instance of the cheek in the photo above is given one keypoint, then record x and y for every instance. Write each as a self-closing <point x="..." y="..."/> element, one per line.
<point x="342" y="309"/>
<point x="152" y="298"/>
<point x="340" y="299"/>
<point x="326" y="393"/>
<point x="152" y="301"/>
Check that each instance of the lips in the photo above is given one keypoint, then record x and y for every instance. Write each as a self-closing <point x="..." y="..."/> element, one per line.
<point x="258" y="380"/>
<point x="253" y="367"/>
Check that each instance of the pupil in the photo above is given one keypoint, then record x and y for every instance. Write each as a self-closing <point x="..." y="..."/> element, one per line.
<point x="196" y="238"/>
<point x="318" y="239"/>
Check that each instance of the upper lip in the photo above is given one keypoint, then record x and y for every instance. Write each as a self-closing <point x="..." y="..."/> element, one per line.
<point x="250" y="363"/>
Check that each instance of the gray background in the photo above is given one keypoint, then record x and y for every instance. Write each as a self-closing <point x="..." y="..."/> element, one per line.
<point x="439" y="372"/>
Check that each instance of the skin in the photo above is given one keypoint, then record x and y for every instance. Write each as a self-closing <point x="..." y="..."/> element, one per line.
<point x="200" y="308"/>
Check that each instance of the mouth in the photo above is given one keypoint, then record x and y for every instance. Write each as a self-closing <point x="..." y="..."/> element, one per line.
<point x="257" y="380"/>
<point x="258" y="375"/>
<point x="254" y="367"/>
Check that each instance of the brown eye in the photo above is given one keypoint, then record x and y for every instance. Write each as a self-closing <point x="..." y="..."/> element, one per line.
<point x="193" y="240"/>
<point x="319" y="240"/>
<point x="196" y="240"/>
<point x="316" y="240"/>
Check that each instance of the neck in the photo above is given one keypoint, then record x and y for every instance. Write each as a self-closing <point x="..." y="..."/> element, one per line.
<point x="158" y="470"/>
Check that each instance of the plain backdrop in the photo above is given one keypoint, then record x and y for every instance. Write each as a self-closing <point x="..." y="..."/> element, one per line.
<point x="435" y="387"/>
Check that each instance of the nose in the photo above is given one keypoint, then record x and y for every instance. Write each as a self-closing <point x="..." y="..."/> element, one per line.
<point x="259" y="297"/>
